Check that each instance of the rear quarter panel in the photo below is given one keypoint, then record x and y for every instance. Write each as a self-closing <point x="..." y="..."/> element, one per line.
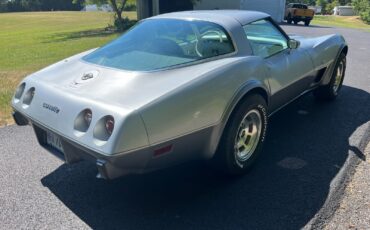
<point x="202" y="102"/>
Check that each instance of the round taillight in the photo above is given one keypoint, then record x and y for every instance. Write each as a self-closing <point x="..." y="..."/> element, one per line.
<point x="109" y="124"/>
<point x="83" y="121"/>
<point x="87" y="117"/>
<point x="20" y="90"/>
<point x="103" y="129"/>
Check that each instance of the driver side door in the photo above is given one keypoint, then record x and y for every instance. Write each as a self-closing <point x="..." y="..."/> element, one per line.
<point x="288" y="69"/>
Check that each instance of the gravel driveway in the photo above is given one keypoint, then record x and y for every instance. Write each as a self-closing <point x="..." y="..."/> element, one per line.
<point x="310" y="151"/>
<point x="354" y="209"/>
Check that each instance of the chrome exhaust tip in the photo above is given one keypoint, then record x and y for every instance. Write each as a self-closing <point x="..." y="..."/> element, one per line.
<point x="108" y="171"/>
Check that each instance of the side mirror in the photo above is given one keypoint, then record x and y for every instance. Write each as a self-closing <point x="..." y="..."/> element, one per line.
<point x="293" y="44"/>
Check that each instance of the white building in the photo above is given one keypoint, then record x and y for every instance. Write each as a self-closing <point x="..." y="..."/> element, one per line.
<point x="317" y="9"/>
<point x="275" y="8"/>
<point x="147" y="8"/>
<point x="344" y="11"/>
<point x="93" y="7"/>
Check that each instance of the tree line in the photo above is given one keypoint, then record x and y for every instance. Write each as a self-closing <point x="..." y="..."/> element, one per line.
<point x="39" y="5"/>
<point x="55" y="5"/>
<point x="362" y="7"/>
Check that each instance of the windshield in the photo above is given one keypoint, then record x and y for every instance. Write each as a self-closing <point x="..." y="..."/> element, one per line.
<point x="162" y="43"/>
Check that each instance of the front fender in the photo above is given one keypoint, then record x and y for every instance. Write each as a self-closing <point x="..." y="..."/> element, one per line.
<point x="330" y="70"/>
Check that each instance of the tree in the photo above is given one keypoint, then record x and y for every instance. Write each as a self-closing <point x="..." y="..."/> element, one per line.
<point x="15" y="6"/>
<point x="38" y="5"/>
<point x="3" y="5"/>
<point x="60" y="5"/>
<point x="117" y="6"/>
<point x="31" y="5"/>
<point x="362" y="7"/>
<point x="121" y="23"/>
<point x="330" y="6"/>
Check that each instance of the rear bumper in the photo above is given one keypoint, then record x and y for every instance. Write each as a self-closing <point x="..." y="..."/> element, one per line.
<point x="109" y="167"/>
<point x="302" y="18"/>
<point x="150" y="158"/>
<point x="20" y="119"/>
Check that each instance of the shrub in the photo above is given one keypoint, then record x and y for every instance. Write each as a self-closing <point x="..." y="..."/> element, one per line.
<point x="362" y="7"/>
<point x="123" y="25"/>
<point x="365" y="16"/>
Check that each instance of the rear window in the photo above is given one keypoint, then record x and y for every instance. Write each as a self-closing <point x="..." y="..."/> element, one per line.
<point x="161" y="43"/>
<point x="299" y="6"/>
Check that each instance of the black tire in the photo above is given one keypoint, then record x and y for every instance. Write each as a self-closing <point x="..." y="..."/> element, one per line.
<point x="226" y="158"/>
<point x="289" y="19"/>
<point x="331" y="90"/>
<point x="307" y="22"/>
<point x="295" y="22"/>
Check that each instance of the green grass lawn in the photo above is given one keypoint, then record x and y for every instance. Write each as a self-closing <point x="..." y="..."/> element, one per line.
<point x="341" y="21"/>
<point x="31" y="41"/>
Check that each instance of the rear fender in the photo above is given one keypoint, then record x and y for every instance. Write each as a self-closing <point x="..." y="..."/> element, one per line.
<point x="251" y="87"/>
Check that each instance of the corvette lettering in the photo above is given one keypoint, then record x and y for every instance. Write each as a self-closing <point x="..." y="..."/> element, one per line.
<point x="52" y="108"/>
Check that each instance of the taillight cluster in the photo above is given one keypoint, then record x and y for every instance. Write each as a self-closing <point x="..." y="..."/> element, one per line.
<point x="27" y="97"/>
<point x="83" y="120"/>
<point x="87" y="115"/>
<point x="103" y="129"/>
<point x="109" y="124"/>
<point x="20" y="90"/>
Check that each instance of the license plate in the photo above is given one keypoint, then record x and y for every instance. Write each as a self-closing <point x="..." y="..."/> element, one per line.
<point x="54" y="141"/>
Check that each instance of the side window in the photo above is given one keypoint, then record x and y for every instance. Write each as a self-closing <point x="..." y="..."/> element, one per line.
<point x="265" y="39"/>
<point x="212" y="41"/>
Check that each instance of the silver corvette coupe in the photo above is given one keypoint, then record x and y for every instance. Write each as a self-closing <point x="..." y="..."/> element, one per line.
<point x="177" y="87"/>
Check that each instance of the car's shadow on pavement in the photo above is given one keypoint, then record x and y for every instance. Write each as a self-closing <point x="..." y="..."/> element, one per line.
<point x="306" y="146"/>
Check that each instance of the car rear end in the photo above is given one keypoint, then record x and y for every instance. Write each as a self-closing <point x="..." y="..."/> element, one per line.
<point x="303" y="14"/>
<point x="74" y="127"/>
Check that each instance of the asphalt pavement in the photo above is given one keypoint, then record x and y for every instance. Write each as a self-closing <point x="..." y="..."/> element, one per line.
<point x="310" y="153"/>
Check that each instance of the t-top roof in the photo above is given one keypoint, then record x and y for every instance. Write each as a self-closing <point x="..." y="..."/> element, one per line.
<point x="219" y="16"/>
